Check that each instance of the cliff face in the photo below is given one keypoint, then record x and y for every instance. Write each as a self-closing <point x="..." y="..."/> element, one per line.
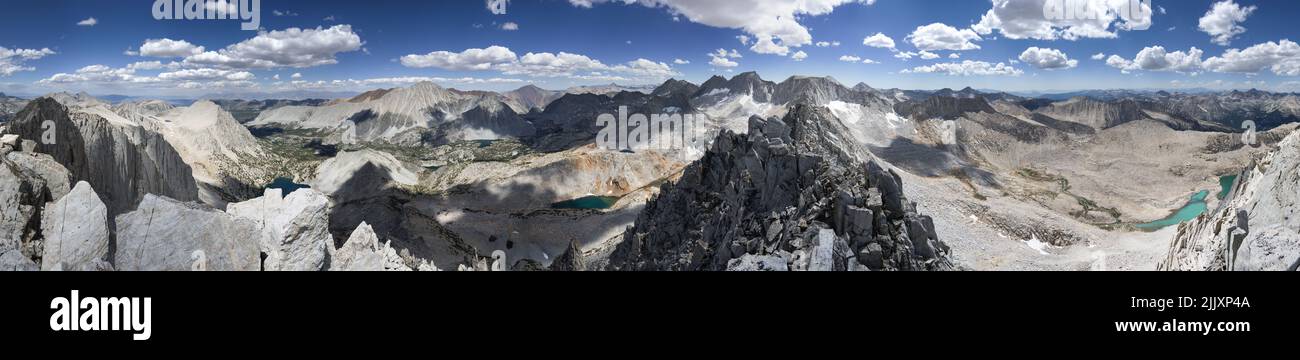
<point x="1257" y="227"/>
<point x="791" y="194"/>
<point x="123" y="161"/>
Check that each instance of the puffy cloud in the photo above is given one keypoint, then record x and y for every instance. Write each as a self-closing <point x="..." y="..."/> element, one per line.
<point x="681" y="62"/>
<point x="1156" y="58"/>
<point x="510" y="26"/>
<point x="543" y="64"/>
<point x="850" y="58"/>
<point x="1099" y="56"/>
<point x="169" y="48"/>
<point x="1221" y="21"/>
<point x="773" y="23"/>
<point x="292" y="47"/>
<point x="470" y="59"/>
<point x="966" y="68"/>
<point x="928" y="55"/>
<point x="727" y="54"/>
<point x="1064" y="19"/>
<point x="723" y="62"/>
<point x="940" y="36"/>
<point x="206" y="74"/>
<point x="954" y="56"/>
<point x="879" y="40"/>
<point x="296" y="76"/>
<point x="1047" y="59"/>
<point x="1282" y="58"/>
<point x="88" y="22"/>
<point x="12" y="60"/>
<point x="904" y="55"/>
<point x="799" y="56"/>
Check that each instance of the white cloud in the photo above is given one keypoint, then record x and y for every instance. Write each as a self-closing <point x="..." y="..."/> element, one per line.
<point x="1099" y="56"/>
<point x="1282" y="58"/>
<point x="773" y="23"/>
<point x="681" y="62"/>
<point x="744" y="39"/>
<point x="940" y="36"/>
<point x="723" y="62"/>
<point x="470" y="59"/>
<point x="727" y="54"/>
<point x="1221" y="21"/>
<point x="296" y="76"/>
<point x="869" y="61"/>
<point x="904" y="55"/>
<point x="542" y="64"/>
<point x="169" y="48"/>
<point x="765" y="45"/>
<point x="954" y="56"/>
<point x="206" y="74"/>
<point x="799" y="56"/>
<point x="12" y="60"/>
<point x="1156" y="58"/>
<point x="879" y="40"/>
<point x="292" y="47"/>
<point x="1047" y="59"/>
<point x="1029" y="19"/>
<point x="850" y="58"/>
<point x="928" y="55"/>
<point x="510" y="26"/>
<point x="966" y="68"/>
<point x="88" y="22"/>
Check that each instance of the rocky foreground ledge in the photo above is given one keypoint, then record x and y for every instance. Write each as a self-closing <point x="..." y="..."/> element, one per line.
<point x="1255" y="228"/>
<point x="792" y="194"/>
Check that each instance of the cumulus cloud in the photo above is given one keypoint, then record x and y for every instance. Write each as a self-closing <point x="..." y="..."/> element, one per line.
<point x="1047" y="59"/>
<point x="470" y="59"/>
<point x="799" y="56"/>
<point x="850" y="58"/>
<point x="543" y="64"/>
<point x="681" y="62"/>
<point x="904" y="55"/>
<point x="928" y="55"/>
<point x="966" y="68"/>
<point x="169" y="48"/>
<point x="1099" y="56"/>
<point x="88" y="22"/>
<point x="879" y="40"/>
<point x="773" y="24"/>
<point x="1057" y="19"/>
<point x="723" y="53"/>
<point x="510" y="26"/>
<point x="1222" y="20"/>
<point x="1156" y="58"/>
<point x="13" y="60"/>
<point x="292" y="47"/>
<point x="940" y="36"/>
<point x="723" y="62"/>
<point x="1282" y="58"/>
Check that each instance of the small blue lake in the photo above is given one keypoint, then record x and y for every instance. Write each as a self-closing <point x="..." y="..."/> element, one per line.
<point x="286" y="185"/>
<point x="1194" y="208"/>
<point x="1225" y="183"/>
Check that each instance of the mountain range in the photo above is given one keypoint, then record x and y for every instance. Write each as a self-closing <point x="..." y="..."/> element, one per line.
<point x="801" y="174"/>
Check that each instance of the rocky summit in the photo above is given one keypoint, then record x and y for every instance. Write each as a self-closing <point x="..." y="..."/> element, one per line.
<point x="782" y="197"/>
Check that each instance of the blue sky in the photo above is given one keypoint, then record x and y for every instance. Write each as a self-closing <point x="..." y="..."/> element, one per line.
<point x="51" y="45"/>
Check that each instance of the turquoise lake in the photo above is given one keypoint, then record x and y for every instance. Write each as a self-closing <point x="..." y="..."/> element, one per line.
<point x="1194" y="208"/>
<point x="1226" y="184"/>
